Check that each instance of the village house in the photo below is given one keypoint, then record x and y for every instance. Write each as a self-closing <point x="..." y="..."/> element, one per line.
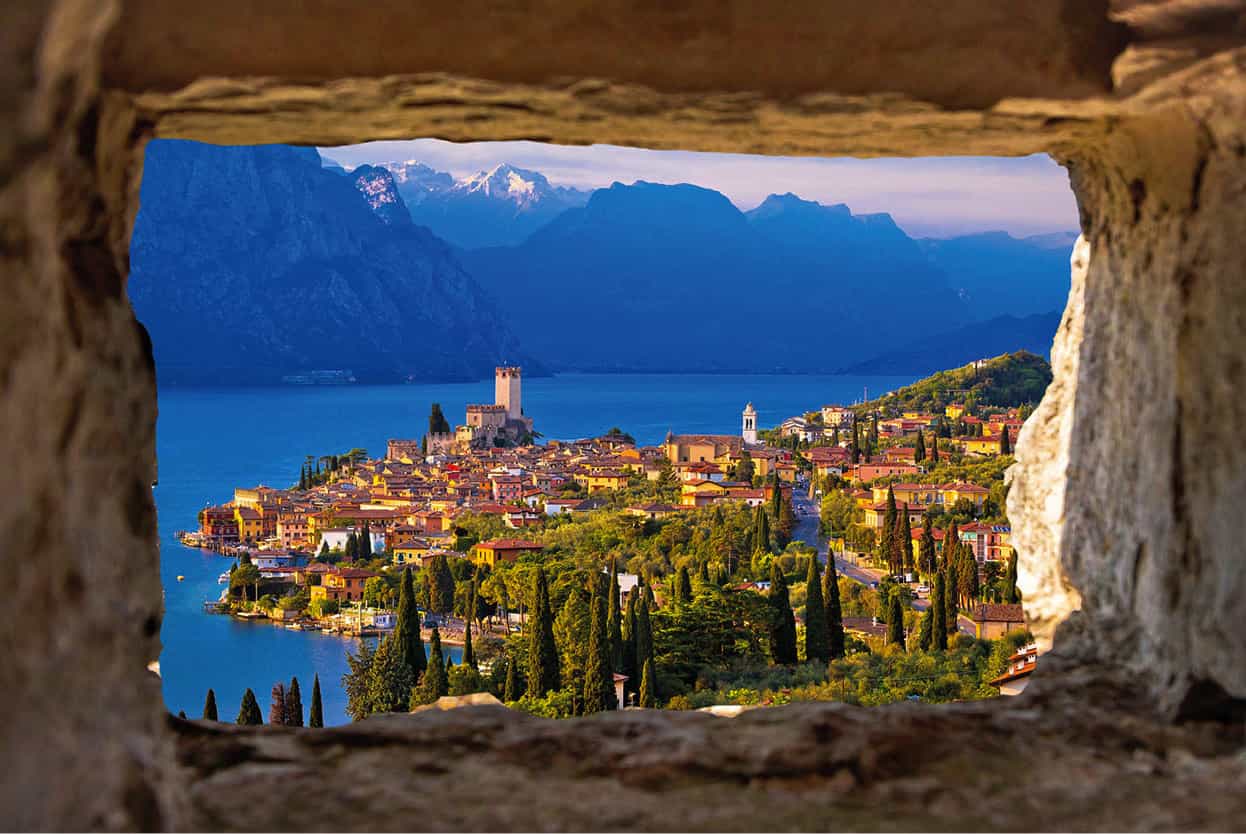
<point x="992" y="620"/>
<point x="866" y="472"/>
<point x="682" y="448"/>
<point x="653" y="512"/>
<point x="1016" y="676"/>
<point x="494" y="552"/>
<point x="835" y="415"/>
<point x="341" y="585"/>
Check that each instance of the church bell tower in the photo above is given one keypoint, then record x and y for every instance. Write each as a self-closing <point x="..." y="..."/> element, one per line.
<point x="750" y="425"/>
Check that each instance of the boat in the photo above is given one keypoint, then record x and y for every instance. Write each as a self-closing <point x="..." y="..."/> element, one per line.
<point x="223" y="578"/>
<point x="180" y="577"/>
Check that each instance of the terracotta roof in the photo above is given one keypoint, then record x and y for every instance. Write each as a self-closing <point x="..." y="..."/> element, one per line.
<point x="998" y="613"/>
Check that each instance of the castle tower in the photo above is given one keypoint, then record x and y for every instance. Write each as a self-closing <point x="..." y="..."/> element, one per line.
<point x="750" y="425"/>
<point x="507" y="391"/>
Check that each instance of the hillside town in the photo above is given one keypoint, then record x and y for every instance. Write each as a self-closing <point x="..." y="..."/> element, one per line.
<point x="850" y="503"/>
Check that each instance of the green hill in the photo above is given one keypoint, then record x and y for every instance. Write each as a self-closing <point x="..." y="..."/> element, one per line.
<point x="1013" y="379"/>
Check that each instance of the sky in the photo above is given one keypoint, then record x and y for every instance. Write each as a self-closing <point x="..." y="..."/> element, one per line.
<point x="928" y="197"/>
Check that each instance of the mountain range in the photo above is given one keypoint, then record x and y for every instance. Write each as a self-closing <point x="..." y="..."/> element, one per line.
<point x="250" y="263"/>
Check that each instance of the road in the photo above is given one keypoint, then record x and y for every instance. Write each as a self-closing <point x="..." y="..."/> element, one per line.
<point x="808" y="525"/>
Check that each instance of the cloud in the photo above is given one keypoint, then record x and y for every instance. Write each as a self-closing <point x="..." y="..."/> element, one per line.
<point x="935" y="196"/>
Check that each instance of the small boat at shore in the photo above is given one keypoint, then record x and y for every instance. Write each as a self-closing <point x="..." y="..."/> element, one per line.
<point x="223" y="578"/>
<point x="180" y="578"/>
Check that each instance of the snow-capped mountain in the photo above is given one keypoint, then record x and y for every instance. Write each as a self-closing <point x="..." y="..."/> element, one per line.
<point x="416" y="181"/>
<point x="498" y="207"/>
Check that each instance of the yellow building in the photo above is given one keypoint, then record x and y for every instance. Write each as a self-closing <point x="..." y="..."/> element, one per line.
<point x="688" y="448"/>
<point x="250" y="523"/>
<point x="701" y="493"/>
<point x="984" y="446"/>
<point x="954" y="411"/>
<point x="494" y="552"/>
<point x="599" y="481"/>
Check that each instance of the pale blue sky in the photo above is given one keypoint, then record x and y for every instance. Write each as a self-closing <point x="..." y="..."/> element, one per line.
<point x="935" y="196"/>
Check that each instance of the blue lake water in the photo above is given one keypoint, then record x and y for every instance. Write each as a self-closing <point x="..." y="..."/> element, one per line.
<point x="211" y="440"/>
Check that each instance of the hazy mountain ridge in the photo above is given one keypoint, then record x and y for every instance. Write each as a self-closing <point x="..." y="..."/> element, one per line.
<point x="253" y="262"/>
<point x="1004" y="334"/>
<point x="648" y="276"/>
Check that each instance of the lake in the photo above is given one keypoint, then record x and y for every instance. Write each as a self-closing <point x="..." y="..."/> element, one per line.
<point x="210" y="440"/>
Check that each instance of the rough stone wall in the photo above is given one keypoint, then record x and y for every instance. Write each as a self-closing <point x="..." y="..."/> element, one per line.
<point x="1139" y="430"/>
<point x="1149" y="404"/>
<point x="82" y="730"/>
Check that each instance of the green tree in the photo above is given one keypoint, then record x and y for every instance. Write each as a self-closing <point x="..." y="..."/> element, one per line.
<point x="249" y="711"/>
<point x="571" y="633"/>
<point x="926" y="552"/>
<point x="437" y="422"/>
<point x="919" y="452"/>
<point x="356" y="682"/>
<point x="906" y="541"/>
<point x="836" y="643"/>
<point x="938" y="614"/>
<point x="315" y="715"/>
<point x="628" y="665"/>
<point x="209" y="707"/>
<point x="365" y="542"/>
<point x="469" y="656"/>
<point x="614" y="620"/>
<point x="647" y="699"/>
<point x="440" y="585"/>
<point x="744" y="470"/>
<point x="934" y="449"/>
<point x="1011" y="594"/>
<point x="598" y="677"/>
<point x="542" y="651"/>
<point x="644" y="631"/>
<point x="352" y="546"/>
<point x="434" y="684"/>
<point x="761" y="531"/>
<point x="510" y="692"/>
<point x="783" y="630"/>
<point x="895" y="622"/>
<point x="886" y="544"/>
<point x="294" y="704"/>
<point x="925" y="638"/>
<point x="817" y="631"/>
<point x="407" y="628"/>
<point x="1004" y="447"/>
<point x="683" y="586"/>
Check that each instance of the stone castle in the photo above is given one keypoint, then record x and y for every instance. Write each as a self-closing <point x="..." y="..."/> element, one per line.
<point x="500" y="424"/>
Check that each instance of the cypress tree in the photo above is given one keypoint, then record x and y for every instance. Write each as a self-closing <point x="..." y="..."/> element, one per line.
<point x="469" y="656"/>
<point x="886" y="544"/>
<point x="925" y="636"/>
<point x="644" y="633"/>
<point x="434" y="684"/>
<point x="835" y="435"/>
<point x="1011" y="595"/>
<point x="351" y="547"/>
<point x="906" y="541"/>
<point x="647" y="683"/>
<point x="704" y="573"/>
<point x="407" y="628"/>
<point x="776" y="497"/>
<point x="895" y="622"/>
<point x="926" y="552"/>
<point x="783" y="631"/>
<point x="315" y="715"/>
<point x="627" y="664"/>
<point x="542" y="650"/>
<point x="294" y="704"/>
<point x="934" y="449"/>
<point x="834" y="614"/>
<point x="277" y="708"/>
<point x="440" y="585"/>
<point x="598" y="678"/>
<point x="919" y="452"/>
<point x="614" y="620"/>
<point x="761" y="535"/>
<point x="209" y="707"/>
<point x="511" y="691"/>
<point x="365" y="542"/>
<point x="683" y="586"/>
<point x="249" y="711"/>
<point x="938" y="615"/>
<point x="817" y="632"/>
<point x="1004" y="447"/>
